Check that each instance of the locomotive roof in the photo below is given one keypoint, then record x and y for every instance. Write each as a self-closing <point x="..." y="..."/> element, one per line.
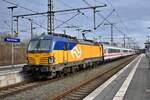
<point x="50" y="37"/>
<point x="65" y="38"/>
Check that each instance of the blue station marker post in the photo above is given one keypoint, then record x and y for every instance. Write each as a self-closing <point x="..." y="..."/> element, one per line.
<point x="12" y="40"/>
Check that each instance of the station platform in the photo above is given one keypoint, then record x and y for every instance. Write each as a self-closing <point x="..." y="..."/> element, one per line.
<point x="130" y="83"/>
<point x="11" y="75"/>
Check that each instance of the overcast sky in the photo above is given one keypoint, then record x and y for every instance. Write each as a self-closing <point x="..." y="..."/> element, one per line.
<point x="131" y="17"/>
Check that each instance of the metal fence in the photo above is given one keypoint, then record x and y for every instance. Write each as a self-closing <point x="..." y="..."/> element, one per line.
<point x="5" y="54"/>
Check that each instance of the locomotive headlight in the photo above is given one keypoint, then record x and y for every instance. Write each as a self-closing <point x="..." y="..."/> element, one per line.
<point x="50" y="60"/>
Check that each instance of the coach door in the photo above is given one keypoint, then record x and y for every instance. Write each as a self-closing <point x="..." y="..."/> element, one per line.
<point x="65" y="53"/>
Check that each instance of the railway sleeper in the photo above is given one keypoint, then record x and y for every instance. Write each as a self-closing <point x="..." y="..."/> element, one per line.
<point x="71" y="98"/>
<point x="87" y="88"/>
<point x="13" y="89"/>
<point x="74" y="95"/>
<point x="5" y="91"/>
<point x="81" y="92"/>
<point x="1" y="93"/>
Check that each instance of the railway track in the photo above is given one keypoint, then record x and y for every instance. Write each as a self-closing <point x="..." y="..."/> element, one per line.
<point x="79" y="91"/>
<point x="28" y="85"/>
<point x="23" y="86"/>
<point x="12" y="89"/>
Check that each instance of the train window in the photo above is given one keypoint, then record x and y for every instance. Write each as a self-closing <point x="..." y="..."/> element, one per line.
<point x="105" y="50"/>
<point x="33" y="45"/>
<point x="113" y="50"/>
<point x="117" y="50"/>
<point x="125" y="50"/>
<point x="45" y="44"/>
<point x="110" y="50"/>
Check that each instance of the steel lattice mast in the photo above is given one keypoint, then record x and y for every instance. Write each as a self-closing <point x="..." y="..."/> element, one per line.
<point x="50" y="15"/>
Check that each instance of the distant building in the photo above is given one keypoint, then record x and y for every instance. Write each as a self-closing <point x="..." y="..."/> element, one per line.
<point x="147" y="46"/>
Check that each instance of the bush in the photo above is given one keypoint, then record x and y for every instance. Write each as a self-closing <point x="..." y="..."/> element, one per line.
<point x="19" y="53"/>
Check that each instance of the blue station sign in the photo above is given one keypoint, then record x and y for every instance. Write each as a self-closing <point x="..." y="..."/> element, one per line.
<point x="12" y="40"/>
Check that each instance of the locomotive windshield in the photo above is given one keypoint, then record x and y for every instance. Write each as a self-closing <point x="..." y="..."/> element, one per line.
<point x="39" y="45"/>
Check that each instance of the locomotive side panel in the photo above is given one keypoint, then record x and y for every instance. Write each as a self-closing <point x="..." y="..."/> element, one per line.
<point x="79" y="52"/>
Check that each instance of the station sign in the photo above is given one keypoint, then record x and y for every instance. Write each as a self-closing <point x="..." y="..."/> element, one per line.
<point x="12" y="40"/>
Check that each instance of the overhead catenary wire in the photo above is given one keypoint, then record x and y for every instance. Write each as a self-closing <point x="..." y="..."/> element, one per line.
<point x="65" y="4"/>
<point x="31" y="11"/>
<point x="35" y="3"/>
<point x="69" y="6"/>
<point x="64" y="22"/>
<point x="77" y="27"/>
<point x="55" y="11"/>
<point x="118" y="15"/>
<point x="103" y="17"/>
<point x="77" y="9"/>
<point x="67" y="20"/>
<point x="28" y="10"/>
<point x="95" y="12"/>
<point x="98" y="2"/>
<point x="19" y="6"/>
<point x="35" y="23"/>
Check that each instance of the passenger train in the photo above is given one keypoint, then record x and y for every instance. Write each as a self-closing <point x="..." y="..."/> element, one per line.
<point x="111" y="52"/>
<point x="51" y="55"/>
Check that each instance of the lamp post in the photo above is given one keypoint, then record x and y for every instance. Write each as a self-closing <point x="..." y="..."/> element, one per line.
<point x="12" y="49"/>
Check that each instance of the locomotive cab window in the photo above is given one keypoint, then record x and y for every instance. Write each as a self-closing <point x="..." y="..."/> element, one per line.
<point x="39" y="45"/>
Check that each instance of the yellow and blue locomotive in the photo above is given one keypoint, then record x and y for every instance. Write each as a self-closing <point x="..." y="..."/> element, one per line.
<point x="48" y="55"/>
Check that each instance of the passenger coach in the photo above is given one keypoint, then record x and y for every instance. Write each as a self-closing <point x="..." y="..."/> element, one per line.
<point x="112" y="52"/>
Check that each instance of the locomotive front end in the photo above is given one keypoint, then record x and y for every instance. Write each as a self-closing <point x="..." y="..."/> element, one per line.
<point x="39" y="52"/>
<point x="39" y="57"/>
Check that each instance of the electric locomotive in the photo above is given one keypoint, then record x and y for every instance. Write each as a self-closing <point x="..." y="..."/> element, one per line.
<point x="49" y="55"/>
